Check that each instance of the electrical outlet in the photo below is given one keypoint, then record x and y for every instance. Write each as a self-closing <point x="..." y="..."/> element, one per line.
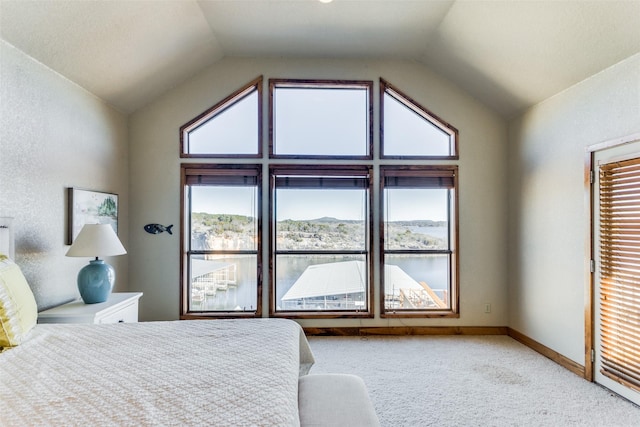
<point x="487" y="308"/>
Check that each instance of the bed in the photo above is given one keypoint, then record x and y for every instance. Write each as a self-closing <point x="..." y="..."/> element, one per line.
<point x="222" y="372"/>
<point x="235" y="372"/>
<point x="217" y="372"/>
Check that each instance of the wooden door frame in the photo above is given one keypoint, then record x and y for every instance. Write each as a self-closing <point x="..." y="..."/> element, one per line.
<point x="589" y="261"/>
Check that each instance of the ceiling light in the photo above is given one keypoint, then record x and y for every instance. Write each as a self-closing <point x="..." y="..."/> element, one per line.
<point x="325" y="1"/>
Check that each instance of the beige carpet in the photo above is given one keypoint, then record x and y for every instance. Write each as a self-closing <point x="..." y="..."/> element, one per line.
<point x="469" y="381"/>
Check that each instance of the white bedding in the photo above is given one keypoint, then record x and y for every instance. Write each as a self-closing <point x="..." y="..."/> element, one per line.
<point x="203" y="372"/>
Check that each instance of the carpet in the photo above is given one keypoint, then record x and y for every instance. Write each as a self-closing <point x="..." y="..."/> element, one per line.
<point x="417" y="381"/>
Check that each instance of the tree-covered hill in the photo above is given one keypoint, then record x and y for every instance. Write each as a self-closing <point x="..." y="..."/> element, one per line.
<point x="223" y="231"/>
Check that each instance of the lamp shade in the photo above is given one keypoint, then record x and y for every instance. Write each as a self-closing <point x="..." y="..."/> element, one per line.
<point x="95" y="240"/>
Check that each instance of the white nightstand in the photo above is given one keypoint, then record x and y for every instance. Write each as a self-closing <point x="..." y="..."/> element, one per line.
<point x="119" y="308"/>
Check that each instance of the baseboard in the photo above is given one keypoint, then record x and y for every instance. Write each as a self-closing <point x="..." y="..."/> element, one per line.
<point x="409" y="330"/>
<point x="563" y="361"/>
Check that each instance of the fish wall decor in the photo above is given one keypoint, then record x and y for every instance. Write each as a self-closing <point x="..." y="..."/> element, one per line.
<point x="157" y="228"/>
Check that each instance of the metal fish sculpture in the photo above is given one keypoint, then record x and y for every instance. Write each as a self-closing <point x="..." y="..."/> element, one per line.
<point x="157" y="228"/>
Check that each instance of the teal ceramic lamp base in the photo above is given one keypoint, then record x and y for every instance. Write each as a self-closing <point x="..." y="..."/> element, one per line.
<point x="95" y="281"/>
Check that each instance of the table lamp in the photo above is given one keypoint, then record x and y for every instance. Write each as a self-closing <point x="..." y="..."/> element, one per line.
<point x="95" y="280"/>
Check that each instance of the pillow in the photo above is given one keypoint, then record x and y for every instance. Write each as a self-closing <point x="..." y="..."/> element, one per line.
<point x="18" y="308"/>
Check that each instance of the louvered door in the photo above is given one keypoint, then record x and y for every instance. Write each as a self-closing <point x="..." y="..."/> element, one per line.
<point x="617" y="293"/>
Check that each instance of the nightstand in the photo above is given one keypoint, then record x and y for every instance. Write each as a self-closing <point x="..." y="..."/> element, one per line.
<point x="119" y="308"/>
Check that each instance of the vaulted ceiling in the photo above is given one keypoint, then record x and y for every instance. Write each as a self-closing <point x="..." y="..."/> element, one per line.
<point x="509" y="54"/>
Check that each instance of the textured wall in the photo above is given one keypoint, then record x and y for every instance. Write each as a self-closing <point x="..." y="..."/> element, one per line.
<point x="155" y="179"/>
<point x="547" y="201"/>
<point x="53" y="135"/>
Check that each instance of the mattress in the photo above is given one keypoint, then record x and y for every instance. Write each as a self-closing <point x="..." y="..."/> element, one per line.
<point x="241" y="372"/>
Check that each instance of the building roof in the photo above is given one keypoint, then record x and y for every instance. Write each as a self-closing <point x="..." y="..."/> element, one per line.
<point x="340" y="278"/>
<point x="336" y="278"/>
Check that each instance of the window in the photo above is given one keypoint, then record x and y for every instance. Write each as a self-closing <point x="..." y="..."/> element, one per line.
<point x="230" y="128"/>
<point x="410" y="130"/>
<point x="335" y="209"/>
<point x="306" y="121"/>
<point x="221" y="245"/>
<point x="320" y="241"/>
<point x="418" y="242"/>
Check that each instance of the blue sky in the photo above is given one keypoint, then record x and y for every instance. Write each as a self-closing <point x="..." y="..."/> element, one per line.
<point x="417" y="204"/>
<point x="311" y="204"/>
<point x="301" y="127"/>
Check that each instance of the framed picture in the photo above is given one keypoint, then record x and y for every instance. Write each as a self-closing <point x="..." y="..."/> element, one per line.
<point x="90" y="207"/>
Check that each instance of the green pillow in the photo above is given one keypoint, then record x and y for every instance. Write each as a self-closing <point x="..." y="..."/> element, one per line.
<point x="18" y="308"/>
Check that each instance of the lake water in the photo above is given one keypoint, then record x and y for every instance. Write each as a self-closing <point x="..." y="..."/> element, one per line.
<point x="431" y="269"/>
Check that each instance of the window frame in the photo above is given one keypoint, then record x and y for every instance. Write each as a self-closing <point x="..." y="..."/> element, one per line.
<point x="212" y="112"/>
<point x="375" y="163"/>
<point x="328" y="170"/>
<point x="389" y="89"/>
<point x="200" y="169"/>
<point x="320" y="84"/>
<point x="454" y="264"/>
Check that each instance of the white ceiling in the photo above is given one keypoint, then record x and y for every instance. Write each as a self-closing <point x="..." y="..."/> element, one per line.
<point x="508" y="54"/>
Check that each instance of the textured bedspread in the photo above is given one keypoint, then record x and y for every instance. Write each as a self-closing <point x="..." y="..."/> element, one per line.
<point x="207" y="373"/>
